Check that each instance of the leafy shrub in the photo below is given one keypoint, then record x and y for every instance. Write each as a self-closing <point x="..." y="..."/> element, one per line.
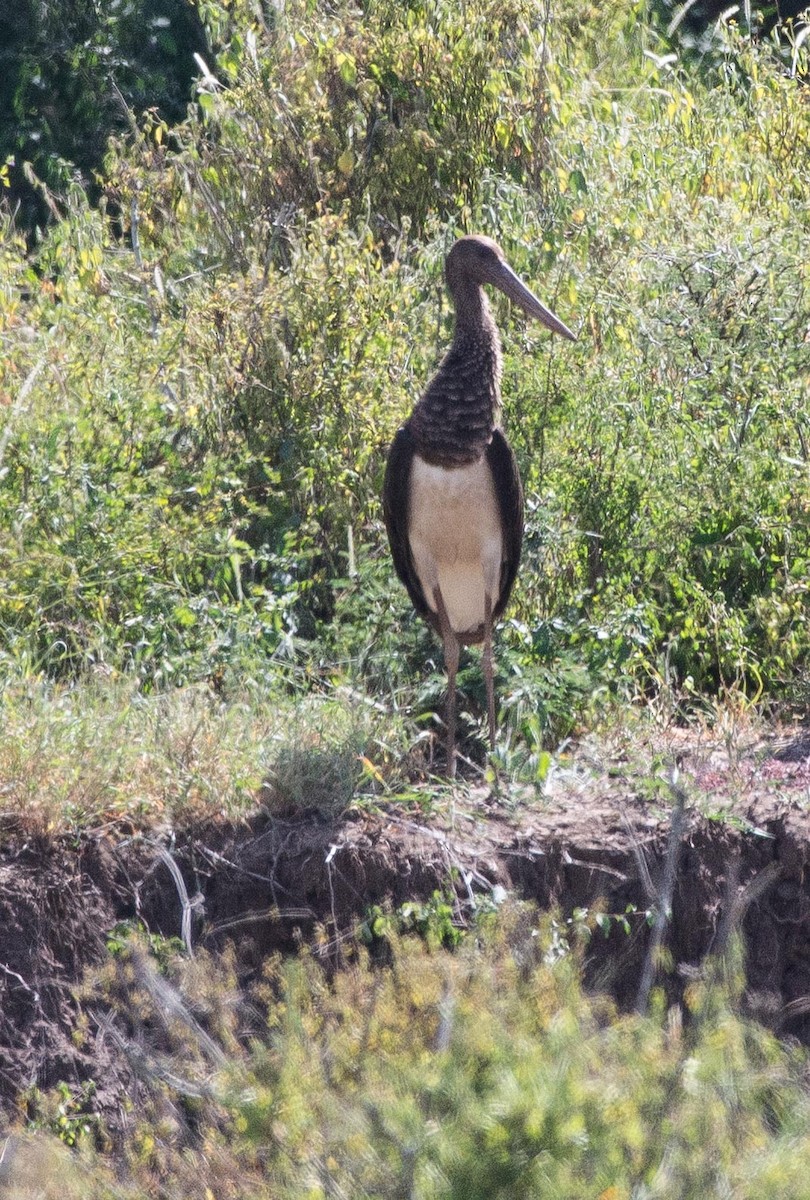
<point x="387" y="111"/>
<point x="199" y="403"/>
<point x="483" y="1072"/>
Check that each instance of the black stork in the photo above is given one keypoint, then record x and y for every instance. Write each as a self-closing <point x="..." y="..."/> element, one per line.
<point x="452" y="497"/>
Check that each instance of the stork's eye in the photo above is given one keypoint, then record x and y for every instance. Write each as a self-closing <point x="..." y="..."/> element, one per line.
<point x="486" y="255"/>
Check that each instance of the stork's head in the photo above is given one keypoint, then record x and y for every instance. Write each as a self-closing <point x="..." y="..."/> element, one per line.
<point x="479" y="260"/>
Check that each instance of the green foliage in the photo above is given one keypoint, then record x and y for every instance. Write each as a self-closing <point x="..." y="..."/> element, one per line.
<point x="68" y="1113"/>
<point x="390" y="111"/>
<point x="163" y="949"/>
<point x="699" y="32"/>
<point x="487" y="1072"/>
<point x="102" y="755"/>
<point x="68" y="72"/>
<point x="670" y="460"/>
<point x="199" y="395"/>
<point x="434" y="920"/>
<point x="197" y="610"/>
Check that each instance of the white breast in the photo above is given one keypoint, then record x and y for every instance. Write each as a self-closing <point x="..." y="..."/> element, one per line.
<point x="455" y="537"/>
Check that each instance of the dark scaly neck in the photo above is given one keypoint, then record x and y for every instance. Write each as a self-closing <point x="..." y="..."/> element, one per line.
<point x="453" y="422"/>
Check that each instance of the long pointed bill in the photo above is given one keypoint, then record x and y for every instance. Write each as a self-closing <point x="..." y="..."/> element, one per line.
<point x="512" y="286"/>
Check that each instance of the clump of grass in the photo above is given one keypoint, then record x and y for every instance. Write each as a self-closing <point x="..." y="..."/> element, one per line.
<point x="101" y="754"/>
<point x="42" y="1167"/>
<point x="303" y="777"/>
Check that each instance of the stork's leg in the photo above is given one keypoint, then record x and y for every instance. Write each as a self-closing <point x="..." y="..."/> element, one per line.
<point x="489" y="677"/>
<point x="451" y="657"/>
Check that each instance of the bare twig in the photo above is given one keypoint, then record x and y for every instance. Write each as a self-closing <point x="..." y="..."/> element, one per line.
<point x="272" y="913"/>
<point x="227" y="862"/>
<point x="18" y="406"/>
<point x="641" y="861"/>
<point x="790" y="1011"/>
<point x="134" y="224"/>
<point x="663" y="906"/>
<point x="169" y="1003"/>
<point x="452" y="853"/>
<point x="593" y="866"/>
<point x="739" y="899"/>
<point x="333" y="849"/>
<point x="149" y="1068"/>
<point x="15" y="975"/>
<point x="7" y="1156"/>
<point x="188" y="905"/>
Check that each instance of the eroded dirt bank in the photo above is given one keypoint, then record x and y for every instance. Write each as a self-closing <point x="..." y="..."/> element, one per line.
<point x="598" y="836"/>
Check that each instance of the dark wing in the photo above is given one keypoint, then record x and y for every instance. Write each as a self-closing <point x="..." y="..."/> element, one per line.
<point x="396" y="488"/>
<point x="509" y="491"/>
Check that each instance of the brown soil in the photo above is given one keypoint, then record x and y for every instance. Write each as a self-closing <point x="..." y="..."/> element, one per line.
<point x="596" y="836"/>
